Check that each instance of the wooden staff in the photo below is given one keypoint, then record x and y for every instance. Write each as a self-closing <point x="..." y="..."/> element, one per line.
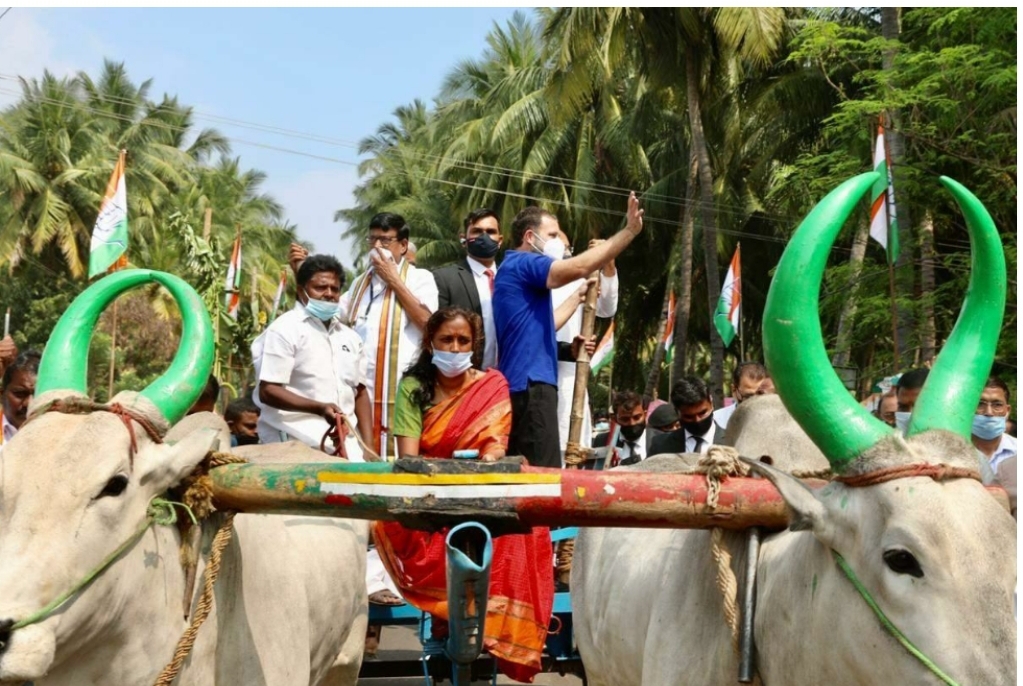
<point x="575" y="454"/>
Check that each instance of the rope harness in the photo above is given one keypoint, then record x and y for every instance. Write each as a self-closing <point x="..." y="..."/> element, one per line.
<point x="197" y="499"/>
<point x="938" y="472"/>
<point x="337" y="435"/>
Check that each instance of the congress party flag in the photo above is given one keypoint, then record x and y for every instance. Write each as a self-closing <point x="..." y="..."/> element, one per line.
<point x="605" y="350"/>
<point x="110" y="234"/>
<point x="233" y="282"/>
<point x="669" y="329"/>
<point x="883" y="227"/>
<point x="726" y="318"/>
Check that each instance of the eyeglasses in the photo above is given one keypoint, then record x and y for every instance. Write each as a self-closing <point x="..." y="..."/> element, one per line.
<point x="993" y="405"/>
<point x="385" y="241"/>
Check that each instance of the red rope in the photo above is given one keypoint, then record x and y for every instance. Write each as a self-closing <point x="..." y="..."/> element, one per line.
<point x="337" y="434"/>
<point x="938" y="472"/>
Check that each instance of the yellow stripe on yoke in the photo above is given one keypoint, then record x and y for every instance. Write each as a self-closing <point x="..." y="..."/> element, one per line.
<point x="438" y="479"/>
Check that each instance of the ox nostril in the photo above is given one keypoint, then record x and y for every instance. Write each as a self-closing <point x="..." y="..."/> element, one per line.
<point x="5" y="634"/>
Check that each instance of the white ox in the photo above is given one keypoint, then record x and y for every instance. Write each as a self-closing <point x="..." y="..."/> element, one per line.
<point x="290" y="601"/>
<point x="938" y="555"/>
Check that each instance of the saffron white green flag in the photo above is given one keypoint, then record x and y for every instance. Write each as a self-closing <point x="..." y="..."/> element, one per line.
<point x="233" y="282"/>
<point x="669" y="329"/>
<point x="883" y="227"/>
<point x="605" y="351"/>
<point x="279" y="295"/>
<point x="726" y="318"/>
<point x="110" y="234"/>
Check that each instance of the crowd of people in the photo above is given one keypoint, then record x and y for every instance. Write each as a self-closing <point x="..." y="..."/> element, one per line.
<point x="477" y="359"/>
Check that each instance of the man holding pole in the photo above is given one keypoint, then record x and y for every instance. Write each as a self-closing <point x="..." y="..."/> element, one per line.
<point x="524" y="315"/>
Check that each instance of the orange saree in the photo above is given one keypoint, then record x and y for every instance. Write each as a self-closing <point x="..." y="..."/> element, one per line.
<point x="521" y="575"/>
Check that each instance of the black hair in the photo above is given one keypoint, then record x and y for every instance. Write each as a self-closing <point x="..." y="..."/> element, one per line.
<point x="689" y="390"/>
<point x="529" y="218"/>
<point x="995" y="382"/>
<point x="749" y="370"/>
<point x="423" y="370"/>
<point x="239" y="406"/>
<point x="314" y="264"/>
<point x="211" y="391"/>
<point x="477" y="214"/>
<point x="627" y="400"/>
<point x="388" y="221"/>
<point x="912" y="380"/>
<point x="27" y="361"/>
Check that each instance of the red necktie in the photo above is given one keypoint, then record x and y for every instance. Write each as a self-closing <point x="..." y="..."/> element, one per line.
<point x="490" y="278"/>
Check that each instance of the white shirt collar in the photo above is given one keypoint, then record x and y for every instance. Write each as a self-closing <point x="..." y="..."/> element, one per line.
<point x="478" y="268"/>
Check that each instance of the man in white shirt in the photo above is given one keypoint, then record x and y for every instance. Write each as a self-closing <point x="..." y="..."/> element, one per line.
<point x="746" y="380"/>
<point x="19" y="385"/>
<point x="568" y="319"/>
<point x="313" y="366"/>
<point x="988" y="433"/>
<point x="629" y="434"/>
<point x="691" y="399"/>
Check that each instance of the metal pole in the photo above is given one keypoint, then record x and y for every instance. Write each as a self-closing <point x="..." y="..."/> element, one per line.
<point x="747" y="664"/>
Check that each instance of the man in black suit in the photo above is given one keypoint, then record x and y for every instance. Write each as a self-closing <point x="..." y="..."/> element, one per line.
<point x="469" y="283"/>
<point x="632" y="439"/>
<point x="691" y="399"/>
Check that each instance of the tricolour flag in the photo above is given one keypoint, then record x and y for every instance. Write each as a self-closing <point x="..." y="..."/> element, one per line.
<point x="110" y="234"/>
<point x="233" y="282"/>
<point x="726" y="318"/>
<point x="279" y="295"/>
<point x="669" y="329"/>
<point x="883" y="227"/>
<point x="605" y="351"/>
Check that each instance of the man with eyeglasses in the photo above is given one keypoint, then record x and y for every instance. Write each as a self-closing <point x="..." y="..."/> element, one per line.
<point x="989" y="436"/>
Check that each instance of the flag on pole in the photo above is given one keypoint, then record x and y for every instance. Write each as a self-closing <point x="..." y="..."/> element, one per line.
<point x="110" y="234"/>
<point x="726" y="318"/>
<point x="883" y="227"/>
<point x="279" y="295"/>
<point x="669" y="329"/>
<point x="605" y="351"/>
<point x="232" y="285"/>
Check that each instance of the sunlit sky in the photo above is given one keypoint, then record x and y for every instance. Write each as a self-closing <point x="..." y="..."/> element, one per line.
<point x="324" y="78"/>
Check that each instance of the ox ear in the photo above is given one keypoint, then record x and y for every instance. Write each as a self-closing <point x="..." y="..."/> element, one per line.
<point x="805" y="510"/>
<point x="177" y="460"/>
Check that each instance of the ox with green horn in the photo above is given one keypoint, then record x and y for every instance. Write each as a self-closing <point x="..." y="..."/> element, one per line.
<point x="813" y="393"/>
<point x="64" y="362"/>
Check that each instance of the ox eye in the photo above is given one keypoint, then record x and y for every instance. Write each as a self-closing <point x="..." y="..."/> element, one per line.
<point x="903" y="562"/>
<point x="114" y="487"/>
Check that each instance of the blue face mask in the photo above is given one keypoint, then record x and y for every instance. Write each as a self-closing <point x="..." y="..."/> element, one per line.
<point x="451" y="364"/>
<point x="988" y="428"/>
<point x="322" y="309"/>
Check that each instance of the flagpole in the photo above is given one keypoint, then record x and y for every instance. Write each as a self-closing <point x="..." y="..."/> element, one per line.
<point x="888" y="251"/>
<point x="742" y="344"/>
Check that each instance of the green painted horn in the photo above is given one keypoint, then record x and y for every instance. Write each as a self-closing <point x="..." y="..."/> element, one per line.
<point x="64" y="361"/>
<point x="949" y="396"/>
<point x="793" y="344"/>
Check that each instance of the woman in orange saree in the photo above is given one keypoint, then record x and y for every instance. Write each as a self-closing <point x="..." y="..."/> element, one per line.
<point x="444" y="404"/>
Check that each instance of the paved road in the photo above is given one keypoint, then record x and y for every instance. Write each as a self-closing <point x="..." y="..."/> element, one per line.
<point x="402" y="643"/>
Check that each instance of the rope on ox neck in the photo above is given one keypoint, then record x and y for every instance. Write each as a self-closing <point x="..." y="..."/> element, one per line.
<point x="717" y="463"/>
<point x="125" y="414"/>
<point x="160" y="512"/>
<point x="887" y="623"/>
<point x="938" y="472"/>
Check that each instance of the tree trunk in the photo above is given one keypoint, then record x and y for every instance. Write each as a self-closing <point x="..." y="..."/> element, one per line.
<point x="929" y="342"/>
<point x="654" y="376"/>
<point x="709" y="222"/>
<point x="684" y="304"/>
<point x="890" y="29"/>
<point x="843" y="344"/>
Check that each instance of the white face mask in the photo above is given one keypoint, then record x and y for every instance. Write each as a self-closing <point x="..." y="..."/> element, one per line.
<point x="451" y="364"/>
<point x="553" y="248"/>
<point x="902" y="421"/>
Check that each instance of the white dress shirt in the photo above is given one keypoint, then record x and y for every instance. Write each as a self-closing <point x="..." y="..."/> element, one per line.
<point x="607" y="306"/>
<point x="311" y="360"/>
<point x="722" y="415"/>
<point x="638" y="449"/>
<point x="8" y="430"/>
<point x="367" y="319"/>
<point x="486" y="310"/>
<point x="707" y="438"/>
<point x="1006" y="449"/>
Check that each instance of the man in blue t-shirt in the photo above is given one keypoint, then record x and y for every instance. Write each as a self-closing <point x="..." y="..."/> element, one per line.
<point x="524" y="318"/>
